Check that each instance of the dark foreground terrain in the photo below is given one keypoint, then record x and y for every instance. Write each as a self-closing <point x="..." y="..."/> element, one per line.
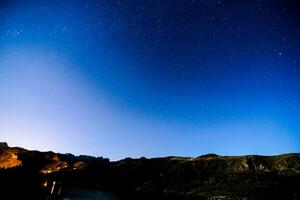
<point x="28" y="174"/>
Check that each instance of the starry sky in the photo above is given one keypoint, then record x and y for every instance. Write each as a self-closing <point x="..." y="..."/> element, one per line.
<point x="151" y="78"/>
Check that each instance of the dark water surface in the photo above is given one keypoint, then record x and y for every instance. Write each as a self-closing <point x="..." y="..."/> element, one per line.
<point x="79" y="193"/>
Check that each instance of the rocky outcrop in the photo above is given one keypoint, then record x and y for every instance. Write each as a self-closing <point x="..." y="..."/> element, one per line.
<point x="9" y="159"/>
<point x="3" y="146"/>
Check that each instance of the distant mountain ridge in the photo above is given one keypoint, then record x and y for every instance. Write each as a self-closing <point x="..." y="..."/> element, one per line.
<point x="208" y="176"/>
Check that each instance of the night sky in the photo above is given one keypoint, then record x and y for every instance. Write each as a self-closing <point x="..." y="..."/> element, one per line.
<point x="151" y="78"/>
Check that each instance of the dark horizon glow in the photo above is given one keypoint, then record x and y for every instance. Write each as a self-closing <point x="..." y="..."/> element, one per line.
<point x="151" y="78"/>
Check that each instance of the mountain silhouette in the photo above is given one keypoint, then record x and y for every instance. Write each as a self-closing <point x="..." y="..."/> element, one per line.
<point x="32" y="174"/>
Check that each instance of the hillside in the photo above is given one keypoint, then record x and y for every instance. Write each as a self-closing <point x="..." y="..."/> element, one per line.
<point x="206" y="177"/>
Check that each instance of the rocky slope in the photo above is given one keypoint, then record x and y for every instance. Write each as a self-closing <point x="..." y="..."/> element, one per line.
<point x="206" y="177"/>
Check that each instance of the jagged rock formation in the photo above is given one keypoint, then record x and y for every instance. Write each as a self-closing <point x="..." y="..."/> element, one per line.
<point x="206" y="177"/>
<point x="3" y="145"/>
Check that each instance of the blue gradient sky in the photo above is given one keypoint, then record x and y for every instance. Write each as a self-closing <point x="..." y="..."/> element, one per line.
<point x="151" y="78"/>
